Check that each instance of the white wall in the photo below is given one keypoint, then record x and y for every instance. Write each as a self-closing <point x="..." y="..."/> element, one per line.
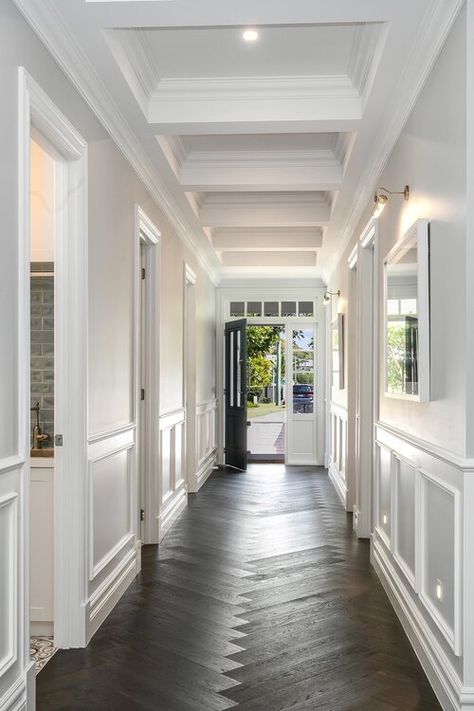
<point x="422" y="492"/>
<point x="113" y="191"/>
<point x="42" y="205"/>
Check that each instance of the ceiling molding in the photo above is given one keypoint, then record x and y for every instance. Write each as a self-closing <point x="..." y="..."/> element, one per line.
<point x="434" y="29"/>
<point x="215" y="99"/>
<point x="284" y="260"/>
<point x="267" y="239"/>
<point x="302" y="158"/>
<point x="46" y="22"/>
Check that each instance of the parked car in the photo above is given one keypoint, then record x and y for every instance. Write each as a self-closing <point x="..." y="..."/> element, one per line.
<point x="303" y="398"/>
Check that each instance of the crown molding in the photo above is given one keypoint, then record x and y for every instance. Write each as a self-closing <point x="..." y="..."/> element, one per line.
<point x="434" y="29"/>
<point x="317" y="158"/>
<point x="47" y="23"/>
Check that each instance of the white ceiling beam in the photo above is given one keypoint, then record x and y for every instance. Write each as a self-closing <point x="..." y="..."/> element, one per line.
<point x="269" y="259"/>
<point x="263" y="210"/>
<point x="276" y="239"/>
<point x="208" y="13"/>
<point x="254" y="175"/>
<point x="221" y="104"/>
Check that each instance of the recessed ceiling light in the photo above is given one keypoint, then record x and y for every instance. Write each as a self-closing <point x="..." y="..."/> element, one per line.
<point x="250" y="35"/>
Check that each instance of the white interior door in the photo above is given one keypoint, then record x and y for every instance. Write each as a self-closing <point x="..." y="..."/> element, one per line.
<point x="303" y="393"/>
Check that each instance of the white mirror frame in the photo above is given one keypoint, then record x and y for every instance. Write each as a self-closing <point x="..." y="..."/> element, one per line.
<point x="420" y="230"/>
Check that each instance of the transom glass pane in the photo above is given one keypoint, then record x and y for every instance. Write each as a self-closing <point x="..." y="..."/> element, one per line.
<point x="305" y="308"/>
<point x="237" y="308"/>
<point x="254" y="308"/>
<point x="271" y="308"/>
<point x="288" y="308"/>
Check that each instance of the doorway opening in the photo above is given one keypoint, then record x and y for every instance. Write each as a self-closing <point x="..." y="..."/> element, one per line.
<point x="42" y="402"/>
<point x="266" y="404"/>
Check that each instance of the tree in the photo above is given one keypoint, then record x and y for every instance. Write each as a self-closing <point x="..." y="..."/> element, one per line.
<point x="260" y="373"/>
<point x="262" y="340"/>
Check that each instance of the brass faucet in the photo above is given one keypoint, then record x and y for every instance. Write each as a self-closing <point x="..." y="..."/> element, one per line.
<point x="38" y="438"/>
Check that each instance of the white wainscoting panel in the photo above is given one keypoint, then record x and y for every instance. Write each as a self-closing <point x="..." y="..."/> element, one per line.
<point x="13" y="476"/>
<point x="206" y="440"/>
<point x="173" y="492"/>
<point x="42" y="546"/>
<point x="338" y="453"/>
<point x="112" y="550"/>
<point x="8" y="580"/>
<point x="404" y="516"/>
<point x="418" y="553"/>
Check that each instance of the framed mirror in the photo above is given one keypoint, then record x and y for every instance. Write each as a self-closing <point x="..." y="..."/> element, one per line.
<point x="407" y="316"/>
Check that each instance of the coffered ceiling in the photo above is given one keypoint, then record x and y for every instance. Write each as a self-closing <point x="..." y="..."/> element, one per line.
<point x="262" y="153"/>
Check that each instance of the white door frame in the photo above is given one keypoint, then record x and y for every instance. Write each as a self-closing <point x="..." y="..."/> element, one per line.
<point x="189" y="378"/>
<point x="39" y="117"/>
<point x="366" y="378"/>
<point x="146" y="494"/>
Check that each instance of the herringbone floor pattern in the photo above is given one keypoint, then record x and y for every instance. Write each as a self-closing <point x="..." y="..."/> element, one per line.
<point x="260" y="598"/>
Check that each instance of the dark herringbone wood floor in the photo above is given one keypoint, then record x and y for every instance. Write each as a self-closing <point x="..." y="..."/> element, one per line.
<point x="259" y="598"/>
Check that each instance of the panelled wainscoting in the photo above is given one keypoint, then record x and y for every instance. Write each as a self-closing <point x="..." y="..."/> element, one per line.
<point x="13" y="476"/>
<point x="423" y="509"/>
<point x="260" y="598"/>
<point x="206" y="440"/>
<point x="112" y="554"/>
<point x="338" y="449"/>
<point x="173" y="493"/>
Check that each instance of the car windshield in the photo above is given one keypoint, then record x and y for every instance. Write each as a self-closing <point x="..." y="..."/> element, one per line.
<point x="302" y="389"/>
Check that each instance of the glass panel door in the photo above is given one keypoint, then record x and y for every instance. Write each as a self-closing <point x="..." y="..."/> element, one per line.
<point x="302" y="393"/>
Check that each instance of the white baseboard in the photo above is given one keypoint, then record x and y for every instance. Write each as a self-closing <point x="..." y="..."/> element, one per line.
<point x="338" y="483"/>
<point x="171" y="512"/>
<point x="15" y="698"/>
<point x="206" y="468"/>
<point x="41" y="629"/>
<point x="437" y="666"/>
<point x="109" y="593"/>
<point x="31" y="687"/>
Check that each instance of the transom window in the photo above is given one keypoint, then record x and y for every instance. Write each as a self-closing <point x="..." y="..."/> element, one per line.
<point x="272" y="309"/>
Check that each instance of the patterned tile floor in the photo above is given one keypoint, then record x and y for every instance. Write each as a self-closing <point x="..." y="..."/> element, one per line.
<point x="41" y="649"/>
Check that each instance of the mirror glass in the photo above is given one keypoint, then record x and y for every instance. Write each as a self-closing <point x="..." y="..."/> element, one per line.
<point x="401" y="327"/>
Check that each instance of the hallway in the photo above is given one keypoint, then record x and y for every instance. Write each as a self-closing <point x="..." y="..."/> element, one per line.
<point x="260" y="596"/>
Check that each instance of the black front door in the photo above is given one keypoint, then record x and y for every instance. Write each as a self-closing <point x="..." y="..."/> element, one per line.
<point x="236" y="394"/>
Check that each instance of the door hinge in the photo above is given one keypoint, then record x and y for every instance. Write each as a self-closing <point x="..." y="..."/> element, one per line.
<point x="143" y="272"/>
<point x="58" y="440"/>
<point x="142" y="394"/>
<point x="142" y="514"/>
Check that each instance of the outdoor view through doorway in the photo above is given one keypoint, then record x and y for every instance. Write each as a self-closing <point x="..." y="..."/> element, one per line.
<point x="266" y="400"/>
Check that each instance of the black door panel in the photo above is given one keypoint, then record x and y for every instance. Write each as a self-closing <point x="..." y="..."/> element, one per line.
<point x="236" y="394"/>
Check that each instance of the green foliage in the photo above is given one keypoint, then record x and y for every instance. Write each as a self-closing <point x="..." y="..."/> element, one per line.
<point x="396" y="345"/>
<point x="262" y="340"/>
<point x="260" y="372"/>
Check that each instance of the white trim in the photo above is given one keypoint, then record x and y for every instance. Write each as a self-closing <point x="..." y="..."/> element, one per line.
<point x="434" y="29"/>
<point x="46" y="21"/>
<point x="108" y="434"/>
<point x="37" y="111"/>
<point x="437" y="665"/>
<point x="12" y="502"/>
<point x="189" y="274"/>
<point x="419" y="230"/>
<point x="464" y="464"/>
<point x="147" y="483"/>
<point x="452" y="635"/>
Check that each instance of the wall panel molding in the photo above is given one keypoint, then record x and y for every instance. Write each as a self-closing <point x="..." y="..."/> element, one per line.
<point x="421" y="563"/>
<point x="111" y="564"/>
<point x="9" y="572"/>
<point x="338" y="449"/>
<point x="206" y="413"/>
<point x="173" y="490"/>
